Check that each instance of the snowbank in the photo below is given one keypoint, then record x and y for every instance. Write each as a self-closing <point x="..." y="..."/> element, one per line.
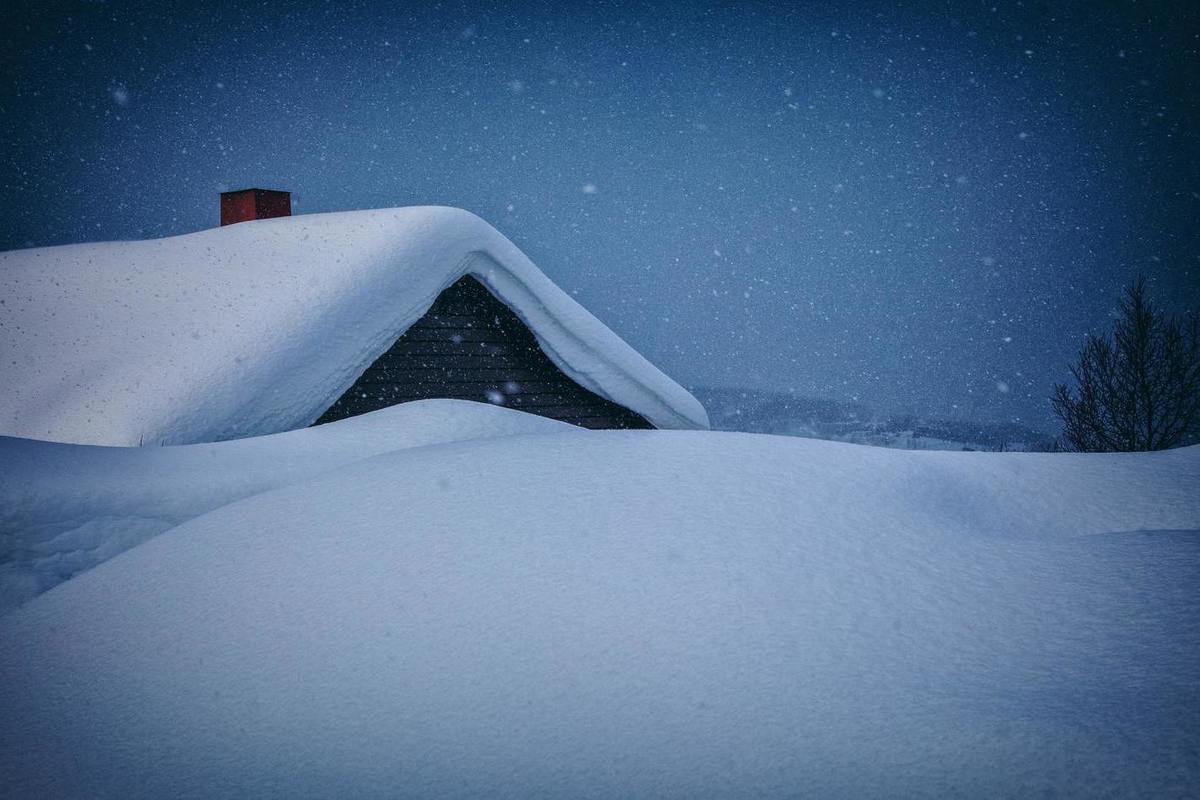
<point x="65" y="508"/>
<point x="635" y="614"/>
<point x="259" y="327"/>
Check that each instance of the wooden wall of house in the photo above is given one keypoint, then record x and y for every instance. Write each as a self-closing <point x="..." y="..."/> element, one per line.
<point x="470" y="346"/>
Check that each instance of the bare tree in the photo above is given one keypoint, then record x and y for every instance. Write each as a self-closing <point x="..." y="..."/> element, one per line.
<point x="1138" y="388"/>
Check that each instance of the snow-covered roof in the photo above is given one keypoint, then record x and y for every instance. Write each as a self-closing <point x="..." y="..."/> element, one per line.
<point x="259" y="327"/>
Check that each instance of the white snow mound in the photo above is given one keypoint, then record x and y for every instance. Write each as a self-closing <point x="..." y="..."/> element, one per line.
<point x="635" y="614"/>
<point x="258" y="327"/>
<point x="65" y="508"/>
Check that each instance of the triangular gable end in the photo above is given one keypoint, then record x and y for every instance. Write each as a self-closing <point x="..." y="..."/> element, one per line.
<point x="470" y="346"/>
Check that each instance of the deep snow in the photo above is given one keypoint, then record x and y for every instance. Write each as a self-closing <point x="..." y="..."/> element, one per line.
<point x="65" y="508"/>
<point x="619" y="614"/>
<point x="259" y="327"/>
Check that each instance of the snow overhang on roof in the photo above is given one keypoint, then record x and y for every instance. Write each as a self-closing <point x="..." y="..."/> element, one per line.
<point x="258" y="328"/>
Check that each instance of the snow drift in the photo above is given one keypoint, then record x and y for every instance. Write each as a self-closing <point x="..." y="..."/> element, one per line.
<point x="259" y="327"/>
<point x="65" y="508"/>
<point x="635" y="614"/>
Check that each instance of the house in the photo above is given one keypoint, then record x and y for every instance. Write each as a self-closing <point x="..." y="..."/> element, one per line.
<point x="470" y="346"/>
<point x="281" y="322"/>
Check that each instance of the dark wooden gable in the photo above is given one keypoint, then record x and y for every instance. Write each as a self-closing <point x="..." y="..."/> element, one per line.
<point x="470" y="346"/>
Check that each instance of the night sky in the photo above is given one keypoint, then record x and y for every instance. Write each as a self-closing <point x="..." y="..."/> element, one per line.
<point x="923" y="207"/>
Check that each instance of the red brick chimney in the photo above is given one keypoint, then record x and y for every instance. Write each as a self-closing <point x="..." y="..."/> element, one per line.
<point x="247" y="204"/>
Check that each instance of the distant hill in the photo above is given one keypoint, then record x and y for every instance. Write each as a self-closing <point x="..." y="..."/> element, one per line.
<point x="784" y="413"/>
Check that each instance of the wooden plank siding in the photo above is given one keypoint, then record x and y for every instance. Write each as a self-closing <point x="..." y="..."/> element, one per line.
<point x="470" y="346"/>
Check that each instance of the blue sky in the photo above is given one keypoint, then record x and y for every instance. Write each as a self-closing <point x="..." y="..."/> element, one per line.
<point x="924" y="207"/>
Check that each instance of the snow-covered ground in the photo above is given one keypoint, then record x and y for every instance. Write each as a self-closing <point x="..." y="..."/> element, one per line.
<point x="622" y="614"/>
<point x="65" y="508"/>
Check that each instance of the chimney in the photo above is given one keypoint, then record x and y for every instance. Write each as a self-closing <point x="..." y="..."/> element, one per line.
<point x="247" y="204"/>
